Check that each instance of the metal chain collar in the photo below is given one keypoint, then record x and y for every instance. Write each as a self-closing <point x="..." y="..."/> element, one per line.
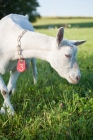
<point x="19" y="45"/>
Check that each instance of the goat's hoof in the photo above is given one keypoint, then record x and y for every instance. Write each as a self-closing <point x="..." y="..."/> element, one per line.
<point x="2" y="111"/>
<point x="6" y="111"/>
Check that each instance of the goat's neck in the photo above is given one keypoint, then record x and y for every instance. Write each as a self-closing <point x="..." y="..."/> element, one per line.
<point x="37" y="45"/>
<point x="32" y="40"/>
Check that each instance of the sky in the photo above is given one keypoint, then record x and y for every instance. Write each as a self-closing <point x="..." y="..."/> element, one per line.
<point x="66" y="8"/>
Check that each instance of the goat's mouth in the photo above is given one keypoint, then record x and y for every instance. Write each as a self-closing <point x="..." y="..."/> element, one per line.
<point x="72" y="81"/>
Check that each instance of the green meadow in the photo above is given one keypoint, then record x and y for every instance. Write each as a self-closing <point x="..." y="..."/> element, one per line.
<point x="53" y="109"/>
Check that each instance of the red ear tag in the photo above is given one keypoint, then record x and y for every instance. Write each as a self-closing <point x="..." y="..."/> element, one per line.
<point x="21" y="65"/>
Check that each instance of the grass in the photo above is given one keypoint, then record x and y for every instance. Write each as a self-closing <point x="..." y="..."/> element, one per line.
<point x="54" y="109"/>
<point x="66" y="22"/>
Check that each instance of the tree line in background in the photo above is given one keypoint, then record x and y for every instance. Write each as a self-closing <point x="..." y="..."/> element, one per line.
<point x="19" y="7"/>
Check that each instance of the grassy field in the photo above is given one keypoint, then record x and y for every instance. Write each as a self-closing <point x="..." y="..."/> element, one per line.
<point x="54" y="109"/>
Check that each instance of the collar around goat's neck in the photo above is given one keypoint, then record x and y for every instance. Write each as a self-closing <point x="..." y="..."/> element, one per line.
<point x="19" y="44"/>
<point x="21" y="65"/>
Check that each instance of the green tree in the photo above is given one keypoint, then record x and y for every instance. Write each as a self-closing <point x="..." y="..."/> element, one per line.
<point x="19" y="7"/>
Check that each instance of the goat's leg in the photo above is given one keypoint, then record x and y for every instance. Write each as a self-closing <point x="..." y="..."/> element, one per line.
<point x="12" y="81"/>
<point x="34" y="70"/>
<point x="5" y="94"/>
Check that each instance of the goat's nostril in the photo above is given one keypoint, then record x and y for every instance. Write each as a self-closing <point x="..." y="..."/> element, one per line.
<point x="78" y="78"/>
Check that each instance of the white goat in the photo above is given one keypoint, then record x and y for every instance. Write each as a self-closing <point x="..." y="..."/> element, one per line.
<point x="60" y="53"/>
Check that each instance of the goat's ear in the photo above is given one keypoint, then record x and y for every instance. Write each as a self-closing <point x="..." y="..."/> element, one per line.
<point x="78" y="42"/>
<point x="60" y="35"/>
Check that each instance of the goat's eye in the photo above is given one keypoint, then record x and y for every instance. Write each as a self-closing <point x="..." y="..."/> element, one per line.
<point x="68" y="55"/>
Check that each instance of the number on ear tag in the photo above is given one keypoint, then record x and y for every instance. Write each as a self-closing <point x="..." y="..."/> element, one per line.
<point x="21" y="65"/>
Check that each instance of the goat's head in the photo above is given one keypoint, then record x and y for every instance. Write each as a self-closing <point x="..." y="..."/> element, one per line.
<point x="63" y="58"/>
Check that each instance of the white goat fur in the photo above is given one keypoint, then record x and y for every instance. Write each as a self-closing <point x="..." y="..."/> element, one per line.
<point x="60" y="53"/>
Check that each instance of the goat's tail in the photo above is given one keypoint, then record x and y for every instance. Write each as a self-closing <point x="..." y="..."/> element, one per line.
<point x="27" y="16"/>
